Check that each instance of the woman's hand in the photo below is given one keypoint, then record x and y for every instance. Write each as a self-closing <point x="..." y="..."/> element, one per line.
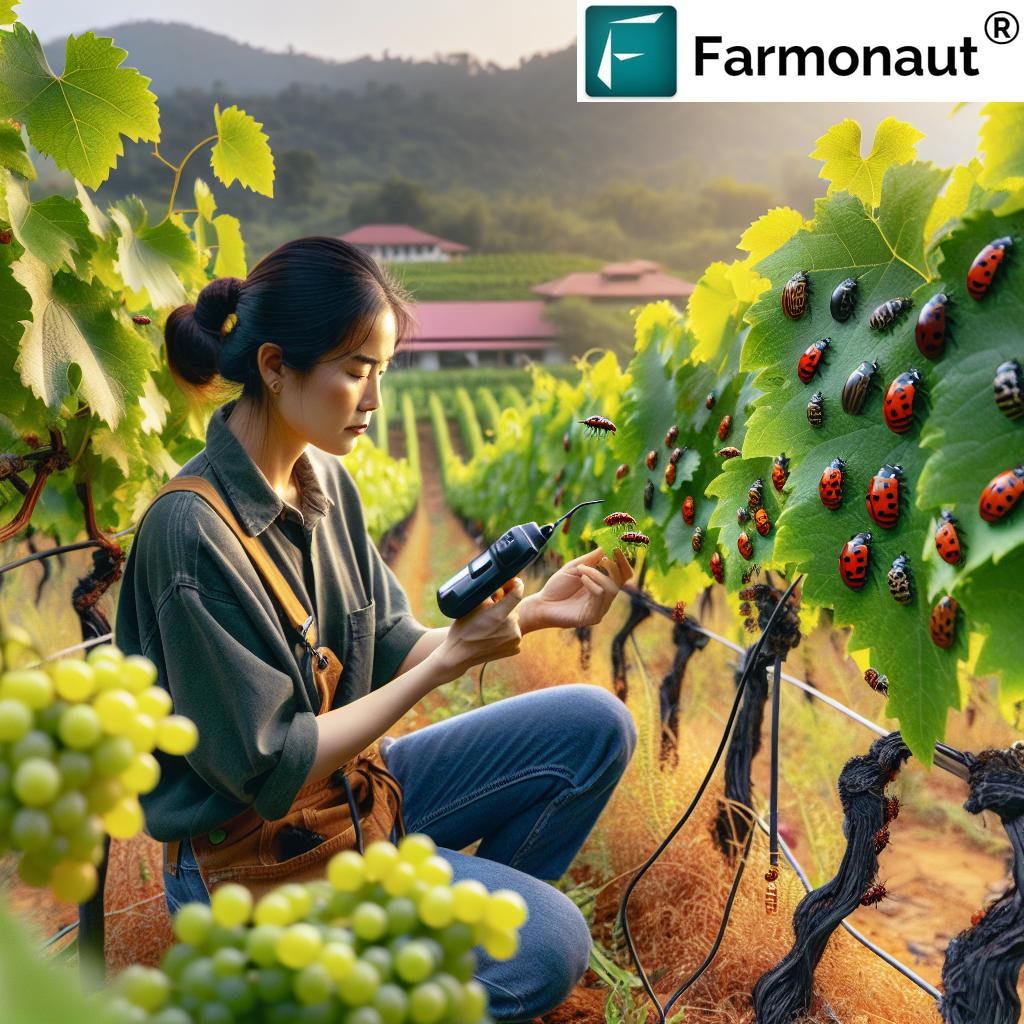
<point x="489" y="632"/>
<point x="578" y="594"/>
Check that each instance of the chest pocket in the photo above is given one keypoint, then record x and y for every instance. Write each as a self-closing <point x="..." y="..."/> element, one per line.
<point x="358" y="655"/>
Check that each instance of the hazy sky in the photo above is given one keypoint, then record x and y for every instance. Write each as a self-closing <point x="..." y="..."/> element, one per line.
<point x="339" y="29"/>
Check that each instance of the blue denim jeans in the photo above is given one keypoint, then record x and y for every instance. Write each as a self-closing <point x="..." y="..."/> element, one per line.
<point x="528" y="776"/>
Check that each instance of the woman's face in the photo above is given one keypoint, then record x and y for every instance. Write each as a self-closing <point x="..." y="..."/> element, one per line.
<point x="341" y="391"/>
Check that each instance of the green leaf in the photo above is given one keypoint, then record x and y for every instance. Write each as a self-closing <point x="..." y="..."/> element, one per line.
<point x="99" y="222"/>
<point x="153" y="260"/>
<point x="53" y="229"/>
<point x="242" y="151"/>
<point x="962" y="196"/>
<point x="230" y="247"/>
<point x="717" y="306"/>
<point x="77" y="117"/>
<point x="205" y="203"/>
<point x="7" y="15"/>
<point x="1002" y="142"/>
<point x="12" y="152"/>
<point x="72" y="326"/>
<point x="845" y="168"/>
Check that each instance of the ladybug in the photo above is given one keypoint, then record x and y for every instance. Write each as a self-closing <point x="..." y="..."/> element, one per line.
<point x="854" y="559"/>
<point x="598" y="425"/>
<point x="746" y="549"/>
<point x="883" y="497"/>
<point x="677" y="454"/>
<point x="141" y="320"/>
<point x="742" y="515"/>
<point x="1001" y="494"/>
<point x="670" y="436"/>
<point x="652" y="460"/>
<point x="6" y="236"/>
<point x="942" y="624"/>
<point x="717" y="567"/>
<point x="688" y="510"/>
<point x="744" y="608"/>
<point x="709" y="402"/>
<point x="830" y="486"/>
<point x="795" y="295"/>
<point x="889" y="312"/>
<point x="899" y="401"/>
<point x="621" y="471"/>
<point x="755" y="496"/>
<point x="670" y="474"/>
<point x="565" y="441"/>
<point x="762" y="522"/>
<point x="930" y="333"/>
<point x="648" y="494"/>
<point x="780" y="471"/>
<point x="844" y="300"/>
<point x="1008" y="386"/>
<point x="808" y="364"/>
<point x="697" y="540"/>
<point x="855" y="389"/>
<point x="878" y="682"/>
<point x="679" y="612"/>
<point x="947" y="539"/>
<point x="816" y="410"/>
<point x="985" y="265"/>
<point x="900" y="579"/>
<point x="725" y="427"/>
<point x="729" y="453"/>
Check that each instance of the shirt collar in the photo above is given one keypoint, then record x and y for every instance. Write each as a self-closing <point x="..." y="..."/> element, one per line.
<point x="256" y="503"/>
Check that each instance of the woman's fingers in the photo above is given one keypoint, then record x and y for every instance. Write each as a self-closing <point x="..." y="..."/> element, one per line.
<point x="624" y="567"/>
<point x="607" y="585"/>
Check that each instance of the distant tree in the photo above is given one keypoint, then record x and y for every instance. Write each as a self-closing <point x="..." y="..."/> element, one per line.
<point x="298" y="173"/>
<point x="735" y="204"/>
<point x="395" y="202"/>
<point x="584" y="325"/>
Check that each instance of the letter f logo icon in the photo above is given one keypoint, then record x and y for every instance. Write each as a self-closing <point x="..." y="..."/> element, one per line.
<point x="631" y="51"/>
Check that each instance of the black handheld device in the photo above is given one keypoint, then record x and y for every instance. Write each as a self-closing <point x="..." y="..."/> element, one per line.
<point x="512" y="552"/>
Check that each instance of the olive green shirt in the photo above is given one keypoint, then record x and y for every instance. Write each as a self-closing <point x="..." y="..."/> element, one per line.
<point x="192" y="602"/>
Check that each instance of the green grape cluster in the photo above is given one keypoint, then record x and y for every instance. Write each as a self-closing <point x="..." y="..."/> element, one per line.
<point x="384" y="939"/>
<point x="76" y="750"/>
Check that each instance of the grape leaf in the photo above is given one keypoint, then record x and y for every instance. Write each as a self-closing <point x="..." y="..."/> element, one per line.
<point x="72" y="325"/>
<point x="1002" y="142"/>
<point x="962" y="196"/>
<point x="242" y="151"/>
<point x="77" y="117"/>
<point x="715" y="309"/>
<point x="847" y="171"/>
<point x="154" y="259"/>
<point x="99" y="222"/>
<point x="7" y="15"/>
<point x="230" y="247"/>
<point x="770" y="232"/>
<point x="205" y="202"/>
<point x="53" y="229"/>
<point x="12" y="152"/>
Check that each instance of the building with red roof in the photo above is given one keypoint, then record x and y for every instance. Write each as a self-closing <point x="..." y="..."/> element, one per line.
<point x="404" y="243"/>
<point x="632" y="281"/>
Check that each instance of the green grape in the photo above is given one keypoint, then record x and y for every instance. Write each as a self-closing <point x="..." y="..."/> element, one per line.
<point x="380" y="857"/>
<point x="273" y="909"/>
<point x="32" y="686"/>
<point x="416" y="847"/>
<point x="435" y="871"/>
<point x="197" y="977"/>
<point x="31" y="830"/>
<point x="400" y="879"/>
<point x="506" y="909"/>
<point x="37" y="782"/>
<point x="79" y="727"/>
<point x="402" y="916"/>
<point x="177" y="958"/>
<point x="221" y="937"/>
<point x="144" y="986"/>
<point x="229" y="961"/>
<point x="474" y="1004"/>
<point x="317" y="1013"/>
<point x="427" y="1003"/>
<point x="361" y="984"/>
<point x="124" y="819"/>
<point x="34" y="743"/>
<point x="453" y="991"/>
<point x="143" y="774"/>
<point x="214" y="1013"/>
<point x="192" y="924"/>
<point x="435" y="949"/>
<point x="456" y="938"/>
<point x="112" y="756"/>
<point x="171" y="1015"/>
<point x="470" y="900"/>
<point x="84" y="839"/>
<point x="75" y="769"/>
<point x="124" y="1012"/>
<point x="339" y="905"/>
<point x="345" y="871"/>
<point x="391" y="1003"/>
<point x="142" y="733"/>
<point x="414" y="962"/>
<point x="5" y="777"/>
<point x="109" y="652"/>
<point x="261" y="944"/>
<point x="380" y="957"/>
<point x="73" y="679"/>
<point x="338" y="958"/>
<point x="299" y="944"/>
<point x="364" y="1015"/>
<point x="231" y="905"/>
<point x="48" y="719"/>
<point x="74" y="882"/>
<point x="437" y="906"/>
<point x="154" y="701"/>
<point x="460" y="965"/>
<point x="35" y="869"/>
<point x="300" y="898"/>
<point x="273" y="984"/>
<point x="137" y="673"/>
<point x="313" y="984"/>
<point x="177" y="735"/>
<point x="500" y="943"/>
<point x="370" y="921"/>
<point x="286" y="1012"/>
<point x="237" y="995"/>
<point x="15" y="720"/>
<point x="116" y="709"/>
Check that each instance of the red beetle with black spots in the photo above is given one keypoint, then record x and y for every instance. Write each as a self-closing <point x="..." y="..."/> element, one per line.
<point x="717" y="567"/>
<point x="947" y="539"/>
<point x="899" y="401"/>
<point x="930" y="333"/>
<point x="883" y="497"/>
<point x="746" y="549"/>
<point x="809" y="362"/>
<point x="780" y="471"/>
<point x="942" y="624"/>
<point x="762" y="522"/>
<point x="986" y="263"/>
<point x="854" y="560"/>
<point x="830" y="486"/>
<point x="1001" y="494"/>
<point x="725" y="427"/>
<point x="688" y="510"/>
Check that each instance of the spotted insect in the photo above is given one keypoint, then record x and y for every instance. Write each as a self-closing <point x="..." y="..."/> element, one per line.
<point x="755" y="495"/>
<point x="883" y="497"/>
<point x="1000" y="495"/>
<point x="892" y="808"/>
<point x="729" y="453"/>
<point x="742" y="515"/>
<point x="932" y="324"/>
<point x="679" y="612"/>
<point x="619" y="520"/>
<point x="854" y="561"/>
<point x="942" y="624"/>
<point x="900" y="579"/>
<point x="677" y="454"/>
<point x="749" y="625"/>
<point x="816" y="410"/>
<point x="795" y="294"/>
<point x="648" y="494"/>
<point x="622" y="471"/>
<point x="749" y="574"/>
<point x="947" y="539"/>
<point x="709" y="402"/>
<point x="1008" y="387"/>
<point x="725" y="427"/>
<point x="878" y="682"/>
<point x="6" y="236"/>
<point x="141" y="320"/>
<point x="899" y="401"/>
<point x="744" y="608"/>
<point x="881" y="839"/>
<point x="652" y="459"/>
<point x="635" y="539"/>
<point x="855" y="390"/>
<point x="744" y="546"/>
<point x="717" y="567"/>
<point x="844" y="300"/>
<point x="762" y="522"/>
<point x="832" y="483"/>
<point x="598" y="425"/>
<point x="986" y="263"/>
<point x="688" y="510"/>
<point x="697" y="540"/>
<point x="670" y="474"/>
<point x="874" y="893"/>
<point x="780" y="471"/>
<point x="565" y="441"/>
<point x="670" y="436"/>
<point x="808" y="364"/>
<point x="889" y="312"/>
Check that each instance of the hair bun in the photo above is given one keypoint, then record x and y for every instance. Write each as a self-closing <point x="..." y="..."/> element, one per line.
<point x="216" y="302"/>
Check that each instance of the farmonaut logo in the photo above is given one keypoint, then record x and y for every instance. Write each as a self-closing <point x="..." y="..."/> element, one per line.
<point x="630" y="51"/>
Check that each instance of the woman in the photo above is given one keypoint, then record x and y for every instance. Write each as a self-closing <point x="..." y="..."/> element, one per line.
<point x="309" y="334"/>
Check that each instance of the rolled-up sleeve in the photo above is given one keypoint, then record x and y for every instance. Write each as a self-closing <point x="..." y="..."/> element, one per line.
<point x="256" y="742"/>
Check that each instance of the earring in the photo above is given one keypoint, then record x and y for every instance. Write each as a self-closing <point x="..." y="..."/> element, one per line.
<point x="276" y="386"/>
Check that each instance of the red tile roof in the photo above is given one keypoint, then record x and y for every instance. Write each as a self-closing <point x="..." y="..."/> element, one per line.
<point x="635" y="279"/>
<point x="399" y="234"/>
<point x="482" y="325"/>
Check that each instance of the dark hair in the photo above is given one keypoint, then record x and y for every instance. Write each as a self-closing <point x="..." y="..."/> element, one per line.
<point x="309" y="296"/>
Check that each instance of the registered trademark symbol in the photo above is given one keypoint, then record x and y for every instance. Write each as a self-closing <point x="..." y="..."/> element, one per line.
<point x="1002" y="27"/>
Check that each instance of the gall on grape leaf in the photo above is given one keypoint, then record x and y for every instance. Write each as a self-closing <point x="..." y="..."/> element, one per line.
<point x="79" y="116"/>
